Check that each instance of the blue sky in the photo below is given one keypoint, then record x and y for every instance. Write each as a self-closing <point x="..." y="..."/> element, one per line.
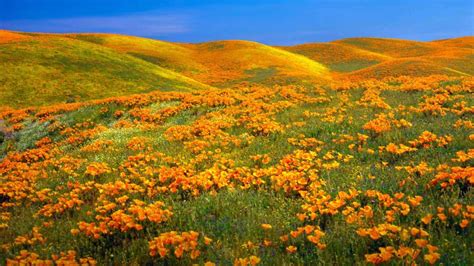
<point x="271" y="22"/>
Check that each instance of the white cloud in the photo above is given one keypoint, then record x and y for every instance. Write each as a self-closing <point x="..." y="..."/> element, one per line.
<point x="144" y="24"/>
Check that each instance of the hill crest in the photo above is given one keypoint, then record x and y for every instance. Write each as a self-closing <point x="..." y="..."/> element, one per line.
<point x="97" y="65"/>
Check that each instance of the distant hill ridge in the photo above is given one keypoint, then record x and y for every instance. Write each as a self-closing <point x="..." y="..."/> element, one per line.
<point x="42" y="68"/>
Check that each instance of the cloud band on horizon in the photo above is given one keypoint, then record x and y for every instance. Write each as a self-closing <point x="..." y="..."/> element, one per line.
<point x="143" y="24"/>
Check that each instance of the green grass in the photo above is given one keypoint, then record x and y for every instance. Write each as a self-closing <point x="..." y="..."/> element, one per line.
<point x="53" y="69"/>
<point x="351" y="65"/>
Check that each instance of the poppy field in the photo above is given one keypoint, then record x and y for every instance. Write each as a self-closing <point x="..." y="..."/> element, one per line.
<point x="353" y="171"/>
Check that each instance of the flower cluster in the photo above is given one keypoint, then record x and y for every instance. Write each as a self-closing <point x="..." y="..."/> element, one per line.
<point x="64" y="258"/>
<point x="178" y="244"/>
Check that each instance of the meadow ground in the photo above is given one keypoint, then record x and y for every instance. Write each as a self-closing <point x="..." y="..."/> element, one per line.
<point x="356" y="172"/>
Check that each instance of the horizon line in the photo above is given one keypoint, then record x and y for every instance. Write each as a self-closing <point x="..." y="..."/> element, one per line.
<point x="222" y="40"/>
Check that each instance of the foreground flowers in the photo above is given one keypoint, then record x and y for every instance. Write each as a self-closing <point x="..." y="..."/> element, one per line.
<point x="181" y="243"/>
<point x="150" y="178"/>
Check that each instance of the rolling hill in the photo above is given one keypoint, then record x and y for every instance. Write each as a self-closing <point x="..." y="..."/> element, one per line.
<point x="244" y="60"/>
<point x="40" y="69"/>
<point x="218" y="63"/>
<point x="339" y="57"/>
<point x="401" y="67"/>
<point x="453" y="57"/>
<point x="379" y="57"/>
<point x="391" y="47"/>
<point x="44" y="69"/>
<point x="462" y="42"/>
<point x="168" y="55"/>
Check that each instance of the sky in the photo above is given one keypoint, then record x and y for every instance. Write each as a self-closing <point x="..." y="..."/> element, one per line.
<point x="271" y="22"/>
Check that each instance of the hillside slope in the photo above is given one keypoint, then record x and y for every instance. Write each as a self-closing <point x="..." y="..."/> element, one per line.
<point x="219" y="63"/>
<point x="338" y="57"/>
<point x="165" y="54"/>
<point x="462" y="42"/>
<point x="45" y="69"/>
<point x="41" y="69"/>
<point x="452" y="57"/>
<point x="256" y="62"/>
<point x="402" y="67"/>
<point x="391" y="47"/>
<point x="381" y="57"/>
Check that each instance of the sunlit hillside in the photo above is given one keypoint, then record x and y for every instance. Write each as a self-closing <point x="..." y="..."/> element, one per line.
<point x="339" y="57"/>
<point x="45" y="69"/>
<point x="42" y="69"/>
<point x="391" y="47"/>
<point x="451" y="57"/>
<point x="244" y="60"/>
<point x="8" y="37"/>
<point x="231" y="58"/>
<point x="172" y="56"/>
<point x="459" y="59"/>
<point x="462" y="42"/>
<point x="377" y="57"/>
<point x="218" y="63"/>
<point x="403" y="66"/>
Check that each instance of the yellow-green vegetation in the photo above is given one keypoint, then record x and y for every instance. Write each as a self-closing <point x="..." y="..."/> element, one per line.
<point x="391" y="47"/>
<point x="42" y="69"/>
<point x="172" y="56"/>
<point x="217" y="63"/>
<point x="451" y="57"/>
<point x="339" y="57"/>
<point x="404" y="66"/>
<point x="239" y="60"/>
<point x="46" y="69"/>
<point x="463" y="42"/>
<point x="377" y="57"/>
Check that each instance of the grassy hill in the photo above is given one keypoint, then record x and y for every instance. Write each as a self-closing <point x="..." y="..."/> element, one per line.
<point x="172" y="56"/>
<point x="338" y="57"/>
<point x="452" y="57"/>
<point x="462" y="42"/>
<point x="244" y="60"/>
<point x="379" y="57"/>
<point x="45" y="69"/>
<point x="41" y="69"/>
<point x="217" y="63"/>
<point x="391" y="47"/>
<point x="403" y="67"/>
<point x="7" y="36"/>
